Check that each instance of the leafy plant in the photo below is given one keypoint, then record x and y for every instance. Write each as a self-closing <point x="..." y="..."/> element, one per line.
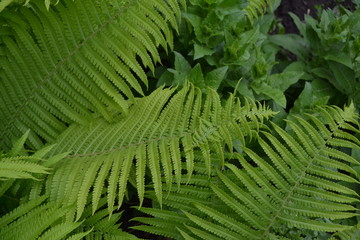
<point x="174" y="125"/>
<point x="223" y="42"/>
<point x="208" y="144"/>
<point x="291" y="181"/>
<point x="328" y="49"/>
<point x="66" y="71"/>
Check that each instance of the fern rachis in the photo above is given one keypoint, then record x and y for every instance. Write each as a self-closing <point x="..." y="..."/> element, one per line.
<point x="292" y="180"/>
<point x="77" y="58"/>
<point x="173" y="122"/>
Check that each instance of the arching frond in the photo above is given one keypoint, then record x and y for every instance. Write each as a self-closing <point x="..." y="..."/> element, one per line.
<point x="293" y="181"/>
<point x="100" y="225"/>
<point x="79" y="57"/>
<point x="18" y="169"/>
<point x="157" y="130"/>
<point x="36" y="219"/>
<point x="256" y="8"/>
<point x="170" y="221"/>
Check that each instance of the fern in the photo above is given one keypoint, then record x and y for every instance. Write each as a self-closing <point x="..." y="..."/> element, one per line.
<point x="256" y="8"/>
<point x="6" y="3"/>
<point x="169" y="221"/>
<point x="154" y="135"/>
<point x="61" y="65"/>
<point x="102" y="226"/>
<point x="18" y="169"/>
<point x="353" y="233"/>
<point x="292" y="182"/>
<point x="15" y="166"/>
<point x="36" y="220"/>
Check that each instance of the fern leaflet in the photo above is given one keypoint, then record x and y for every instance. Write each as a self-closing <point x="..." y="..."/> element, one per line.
<point x="61" y="65"/>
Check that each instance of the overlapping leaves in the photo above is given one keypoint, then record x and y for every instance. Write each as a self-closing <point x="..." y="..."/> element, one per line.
<point x="295" y="179"/>
<point x="59" y="66"/>
<point x="160" y="133"/>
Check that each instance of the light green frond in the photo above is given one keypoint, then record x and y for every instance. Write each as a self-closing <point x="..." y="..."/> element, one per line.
<point x="36" y="219"/>
<point x="20" y="167"/>
<point x="169" y="221"/>
<point x="257" y="8"/>
<point x="353" y="233"/>
<point x="100" y="225"/>
<point x="296" y="179"/>
<point x="152" y="135"/>
<point x="79" y="57"/>
<point x="17" y="164"/>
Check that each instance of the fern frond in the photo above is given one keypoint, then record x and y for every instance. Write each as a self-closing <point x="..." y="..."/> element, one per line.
<point x="102" y="226"/>
<point x="6" y="3"/>
<point x="20" y="167"/>
<point x="153" y="134"/>
<point x="36" y="219"/>
<point x="79" y="57"/>
<point x="353" y="233"/>
<point x="169" y="220"/>
<point x="14" y="166"/>
<point x="292" y="181"/>
<point x="256" y="8"/>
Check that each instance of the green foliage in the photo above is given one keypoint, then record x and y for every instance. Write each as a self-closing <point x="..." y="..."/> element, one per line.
<point x="256" y="8"/>
<point x="18" y="164"/>
<point x="34" y="220"/>
<point x="232" y="138"/>
<point x="225" y="43"/>
<point x="5" y="3"/>
<point x="328" y="49"/>
<point x="292" y="180"/>
<point x="61" y="72"/>
<point x="157" y="130"/>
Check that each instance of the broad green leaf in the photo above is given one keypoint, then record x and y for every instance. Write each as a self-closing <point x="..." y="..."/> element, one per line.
<point x="322" y="72"/>
<point x="316" y="93"/>
<point x="344" y="77"/>
<point x="284" y="80"/>
<point x="293" y="43"/>
<point x="182" y="68"/>
<point x="214" y="78"/>
<point x="299" y="24"/>
<point x="5" y="3"/>
<point x="200" y="51"/>
<point x="341" y="57"/>
<point x="242" y="87"/>
<point x="275" y="94"/>
<point x="181" y="64"/>
<point x="196" y="76"/>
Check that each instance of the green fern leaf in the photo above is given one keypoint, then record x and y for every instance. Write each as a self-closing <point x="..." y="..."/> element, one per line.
<point x="256" y="8"/>
<point x="36" y="220"/>
<point x="17" y="164"/>
<point x="100" y="225"/>
<point x="77" y="58"/>
<point x="291" y="181"/>
<point x="152" y="135"/>
<point x="6" y="3"/>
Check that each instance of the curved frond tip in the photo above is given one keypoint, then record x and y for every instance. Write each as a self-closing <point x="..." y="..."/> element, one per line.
<point x="154" y="135"/>
<point x="295" y="179"/>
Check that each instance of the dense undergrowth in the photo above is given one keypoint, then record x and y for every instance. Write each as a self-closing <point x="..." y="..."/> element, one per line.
<point x="196" y="119"/>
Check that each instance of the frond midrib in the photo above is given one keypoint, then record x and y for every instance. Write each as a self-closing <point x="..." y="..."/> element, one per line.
<point x="299" y="180"/>
<point x="40" y="84"/>
<point x="168" y="138"/>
